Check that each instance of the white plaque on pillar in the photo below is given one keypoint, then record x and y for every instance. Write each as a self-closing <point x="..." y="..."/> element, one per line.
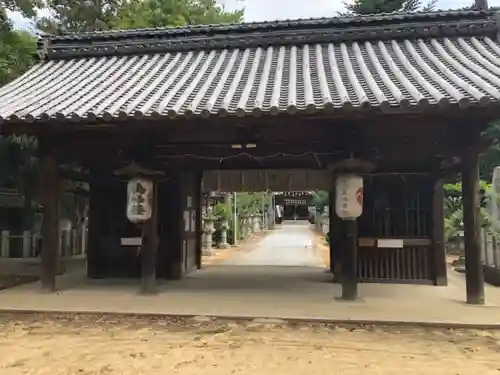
<point x="131" y="241"/>
<point x="392" y="243"/>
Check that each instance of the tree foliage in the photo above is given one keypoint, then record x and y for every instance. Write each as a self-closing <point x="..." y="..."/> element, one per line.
<point x="359" y="7"/>
<point x="78" y="15"/>
<point x="17" y="51"/>
<point x="491" y="157"/>
<point x="320" y="200"/>
<point x="161" y="13"/>
<point x="92" y="15"/>
<point x="17" y="161"/>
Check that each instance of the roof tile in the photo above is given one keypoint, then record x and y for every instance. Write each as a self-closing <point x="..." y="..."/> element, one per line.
<point x="383" y="62"/>
<point x="384" y="75"/>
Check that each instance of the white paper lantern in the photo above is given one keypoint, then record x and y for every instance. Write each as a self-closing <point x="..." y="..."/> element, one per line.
<point x="349" y="196"/>
<point x="139" y="200"/>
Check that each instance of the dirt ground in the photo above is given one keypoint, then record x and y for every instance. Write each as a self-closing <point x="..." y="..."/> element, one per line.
<point x="85" y="345"/>
<point x="322" y="249"/>
<point x="220" y="255"/>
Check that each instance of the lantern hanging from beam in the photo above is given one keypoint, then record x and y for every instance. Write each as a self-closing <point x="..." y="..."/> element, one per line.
<point x="349" y="196"/>
<point x="139" y="199"/>
<point x="139" y="191"/>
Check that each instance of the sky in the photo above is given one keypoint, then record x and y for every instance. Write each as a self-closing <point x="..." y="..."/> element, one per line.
<point x="268" y="10"/>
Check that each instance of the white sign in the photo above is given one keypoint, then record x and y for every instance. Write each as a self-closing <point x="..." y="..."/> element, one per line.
<point x="131" y="241"/>
<point x="139" y="200"/>
<point x="390" y="243"/>
<point x="349" y="196"/>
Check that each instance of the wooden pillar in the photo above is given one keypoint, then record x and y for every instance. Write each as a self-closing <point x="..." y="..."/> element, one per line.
<point x="98" y="206"/>
<point x="349" y="277"/>
<point x="150" y="249"/>
<point x="171" y="241"/>
<point x="198" y="224"/>
<point x="50" y="225"/>
<point x="337" y="239"/>
<point x="332" y="230"/>
<point x="474" y="274"/>
<point x="440" y="268"/>
<point x="336" y="236"/>
<point x="93" y="226"/>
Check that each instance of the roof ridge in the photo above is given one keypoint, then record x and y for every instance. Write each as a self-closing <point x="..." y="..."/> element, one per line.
<point x="384" y="18"/>
<point x="318" y="30"/>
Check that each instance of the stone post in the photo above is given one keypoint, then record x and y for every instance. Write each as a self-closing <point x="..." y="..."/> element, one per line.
<point x="26" y="244"/>
<point x="244" y="219"/>
<point x="4" y="250"/>
<point x="325" y="222"/>
<point x="255" y="223"/>
<point x="60" y="244"/>
<point x="74" y="243"/>
<point x="270" y="211"/>
<point x="317" y="220"/>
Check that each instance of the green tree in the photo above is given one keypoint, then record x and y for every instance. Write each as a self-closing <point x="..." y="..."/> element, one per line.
<point x="387" y="6"/>
<point x="490" y="157"/>
<point x="17" y="51"/>
<point x="92" y="15"/>
<point x="17" y="160"/>
<point x="161" y="13"/>
<point x="321" y="200"/>
<point x="78" y="15"/>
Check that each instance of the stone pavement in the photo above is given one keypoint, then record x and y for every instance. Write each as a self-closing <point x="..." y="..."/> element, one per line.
<point x="284" y="292"/>
<point x="286" y="246"/>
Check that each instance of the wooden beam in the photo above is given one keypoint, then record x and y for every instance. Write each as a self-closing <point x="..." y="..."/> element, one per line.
<point x="50" y="225"/>
<point x="474" y="115"/>
<point x="474" y="275"/>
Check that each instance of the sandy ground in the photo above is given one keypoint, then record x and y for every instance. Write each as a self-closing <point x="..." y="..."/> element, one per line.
<point x="219" y="256"/>
<point x="322" y="248"/>
<point x="85" y="345"/>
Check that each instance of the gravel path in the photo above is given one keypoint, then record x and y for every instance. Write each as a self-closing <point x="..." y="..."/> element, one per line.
<point x="89" y="345"/>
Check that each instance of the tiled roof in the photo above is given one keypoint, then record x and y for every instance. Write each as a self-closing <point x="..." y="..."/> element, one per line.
<point x="100" y="79"/>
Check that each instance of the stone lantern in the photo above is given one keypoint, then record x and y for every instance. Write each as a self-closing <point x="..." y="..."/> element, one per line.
<point x="224" y="226"/>
<point x="255" y="223"/>
<point x="208" y="230"/>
